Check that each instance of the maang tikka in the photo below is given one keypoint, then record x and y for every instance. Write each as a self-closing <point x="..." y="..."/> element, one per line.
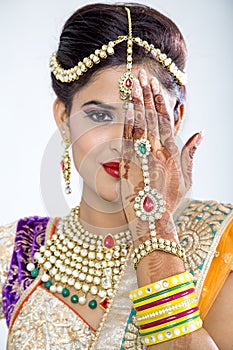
<point x="126" y="81"/>
<point x="66" y="165"/>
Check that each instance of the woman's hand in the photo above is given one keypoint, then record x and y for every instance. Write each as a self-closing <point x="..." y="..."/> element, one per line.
<point x="170" y="170"/>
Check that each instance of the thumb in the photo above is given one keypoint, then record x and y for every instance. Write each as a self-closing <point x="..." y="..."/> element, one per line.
<point x="187" y="155"/>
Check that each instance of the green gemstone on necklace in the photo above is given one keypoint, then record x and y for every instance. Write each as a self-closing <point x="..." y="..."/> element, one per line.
<point x="48" y="284"/>
<point x="92" y="304"/>
<point x="74" y="299"/>
<point x="35" y="272"/>
<point x="142" y="148"/>
<point x="65" y="292"/>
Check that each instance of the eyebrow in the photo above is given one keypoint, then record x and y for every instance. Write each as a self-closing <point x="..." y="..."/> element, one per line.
<point x="99" y="104"/>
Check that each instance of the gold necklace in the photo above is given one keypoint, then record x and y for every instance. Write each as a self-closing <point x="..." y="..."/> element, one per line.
<point x="90" y="263"/>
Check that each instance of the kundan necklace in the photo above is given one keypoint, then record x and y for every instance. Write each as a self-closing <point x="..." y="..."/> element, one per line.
<point x="89" y="263"/>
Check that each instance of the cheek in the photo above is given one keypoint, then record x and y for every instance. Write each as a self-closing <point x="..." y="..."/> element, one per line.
<point x="90" y="146"/>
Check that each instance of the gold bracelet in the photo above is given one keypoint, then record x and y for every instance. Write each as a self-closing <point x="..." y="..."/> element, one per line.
<point x="153" y="244"/>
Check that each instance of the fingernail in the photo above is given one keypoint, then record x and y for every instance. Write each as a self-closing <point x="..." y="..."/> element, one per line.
<point x="143" y="77"/>
<point x="155" y="84"/>
<point x="200" y="137"/>
<point x="202" y="132"/>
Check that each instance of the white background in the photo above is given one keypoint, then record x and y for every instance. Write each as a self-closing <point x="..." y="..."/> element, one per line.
<point x="29" y="32"/>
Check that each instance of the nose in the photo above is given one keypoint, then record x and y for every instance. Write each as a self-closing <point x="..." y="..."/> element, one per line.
<point x="115" y="143"/>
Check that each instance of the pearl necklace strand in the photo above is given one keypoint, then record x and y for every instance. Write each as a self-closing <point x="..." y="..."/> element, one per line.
<point x="89" y="263"/>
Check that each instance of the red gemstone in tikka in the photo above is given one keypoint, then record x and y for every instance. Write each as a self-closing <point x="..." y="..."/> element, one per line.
<point x="109" y="241"/>
<point x="128" y="83"/>
<point x="62" y="165"/>
<point x="148" y="204"/>
<point x="105" y="303"/>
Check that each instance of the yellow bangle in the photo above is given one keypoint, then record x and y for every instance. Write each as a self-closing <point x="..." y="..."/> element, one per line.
<point x="163" y="296"/>
<point x="172" y="332"/>
<point x="168" y="310"/>
<point x="161" y="285"/>
<point x="169" y="323"/>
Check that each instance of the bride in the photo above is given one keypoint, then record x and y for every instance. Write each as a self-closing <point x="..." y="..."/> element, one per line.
<point x="135" y="265"/>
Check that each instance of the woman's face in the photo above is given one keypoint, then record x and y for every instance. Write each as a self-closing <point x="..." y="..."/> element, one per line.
<point x="96" y="128"/>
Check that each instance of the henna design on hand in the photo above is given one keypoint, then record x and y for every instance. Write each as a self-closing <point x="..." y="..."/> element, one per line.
<point x="170" y="170"/>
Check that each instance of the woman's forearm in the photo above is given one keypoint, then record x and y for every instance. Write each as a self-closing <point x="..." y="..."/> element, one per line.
<point x="157" y="266"/>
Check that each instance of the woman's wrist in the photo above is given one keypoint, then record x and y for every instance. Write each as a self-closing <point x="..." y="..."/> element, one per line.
<point x="156" y="264"/>
<point x="165" y="228"/>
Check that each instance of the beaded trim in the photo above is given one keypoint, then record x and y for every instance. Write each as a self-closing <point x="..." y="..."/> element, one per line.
<point x="74" y="73"/>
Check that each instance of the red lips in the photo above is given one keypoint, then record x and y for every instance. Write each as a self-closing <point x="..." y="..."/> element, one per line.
<point x="112" y="168"/>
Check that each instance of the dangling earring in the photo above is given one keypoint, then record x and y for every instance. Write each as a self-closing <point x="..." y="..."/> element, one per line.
<point x="65" y="165"/>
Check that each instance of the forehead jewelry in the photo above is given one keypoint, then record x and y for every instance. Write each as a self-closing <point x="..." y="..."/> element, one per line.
<point x="126" y="81"/>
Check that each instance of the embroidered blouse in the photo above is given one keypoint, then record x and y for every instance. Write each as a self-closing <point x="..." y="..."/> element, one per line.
<point x="37" y="319"/>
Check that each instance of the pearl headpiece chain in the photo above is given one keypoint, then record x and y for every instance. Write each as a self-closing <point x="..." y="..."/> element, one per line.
<point x="74" y="73"/>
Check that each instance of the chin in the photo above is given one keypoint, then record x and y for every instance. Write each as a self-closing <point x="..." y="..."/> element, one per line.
<point x="110" y="196"/>
<point x="110" y="192"/>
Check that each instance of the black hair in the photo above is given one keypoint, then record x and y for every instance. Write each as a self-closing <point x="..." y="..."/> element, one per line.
<point x="94" y="25"/>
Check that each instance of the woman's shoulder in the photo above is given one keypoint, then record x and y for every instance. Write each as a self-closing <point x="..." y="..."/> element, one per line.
<point x="21" y="236"/>
<point x="19" y="241"/>
<point x="28" y="221"/>
<point x="203" y="222"/>
<point x="203" y="210"/>
<point x="23" y="228"/>
<point x="201" y="226"/>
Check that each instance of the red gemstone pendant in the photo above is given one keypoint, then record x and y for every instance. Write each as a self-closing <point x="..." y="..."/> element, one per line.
<point x="128" y="83"/>
<point x="109" y="241"/>
<point x="104" y="304"/>
<point x="148" y="204"/>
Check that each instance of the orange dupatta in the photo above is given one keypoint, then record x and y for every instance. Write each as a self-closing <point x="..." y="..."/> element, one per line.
<point x="219" y="270"/>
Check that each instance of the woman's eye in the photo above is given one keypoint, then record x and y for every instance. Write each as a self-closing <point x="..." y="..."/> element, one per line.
<point x="100" y="116"/>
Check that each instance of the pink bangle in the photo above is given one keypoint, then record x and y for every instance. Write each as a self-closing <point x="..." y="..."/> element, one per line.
<point x="170" y="318"/>
<point x="165" y="300"/>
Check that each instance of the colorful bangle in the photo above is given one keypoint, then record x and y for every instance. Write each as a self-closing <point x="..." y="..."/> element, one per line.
<point x="169" y="308"/>
<point x="155" y="302"/>
<point x="164" y="294"/>
<point x="170" y="325"/>
<point x="169" y="333"/>
<point x="154" y="244"/>
<point x="171" y="320"/>
<point x="166" y="309"/>
<point x="158" y="286"/>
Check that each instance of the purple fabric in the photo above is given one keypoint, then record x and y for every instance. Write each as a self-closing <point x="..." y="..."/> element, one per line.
<point x="30" y="235"/>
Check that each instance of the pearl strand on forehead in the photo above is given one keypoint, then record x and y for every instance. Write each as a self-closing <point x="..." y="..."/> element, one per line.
<point x="89" y="263"/>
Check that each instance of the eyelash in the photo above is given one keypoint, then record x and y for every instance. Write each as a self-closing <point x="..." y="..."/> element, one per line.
<point x="94" y="115"/>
